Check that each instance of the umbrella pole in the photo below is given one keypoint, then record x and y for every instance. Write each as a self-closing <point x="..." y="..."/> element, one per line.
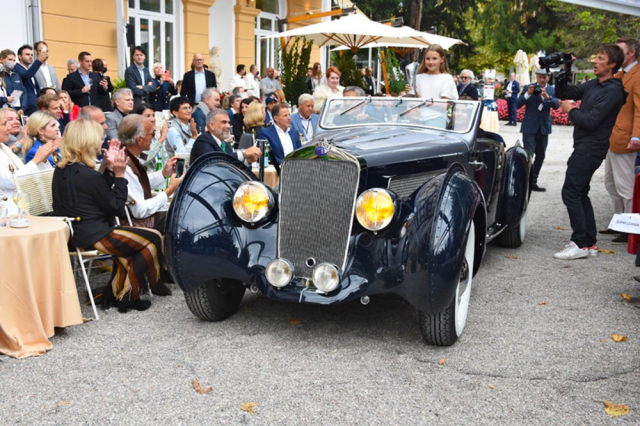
<point x="384" y="72"/>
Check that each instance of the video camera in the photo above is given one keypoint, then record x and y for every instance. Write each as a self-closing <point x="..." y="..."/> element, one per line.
<point x="555" y="60"/>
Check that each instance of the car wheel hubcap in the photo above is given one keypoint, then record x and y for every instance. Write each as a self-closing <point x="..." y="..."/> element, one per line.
<point x="463" y="291"/>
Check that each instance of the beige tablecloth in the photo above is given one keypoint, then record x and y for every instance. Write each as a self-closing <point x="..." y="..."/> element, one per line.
<point x="489" y="121"/>
<point x="271" y="178"/>
<point x="37" y="288"/>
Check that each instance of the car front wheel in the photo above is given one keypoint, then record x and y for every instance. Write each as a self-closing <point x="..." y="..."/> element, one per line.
<point x="215" y="300"/>
<point x="444" y="328"/>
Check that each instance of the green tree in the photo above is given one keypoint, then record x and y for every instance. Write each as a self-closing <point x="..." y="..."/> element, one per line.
<point x="351" y="75"/>
<point x="294" y="61"/>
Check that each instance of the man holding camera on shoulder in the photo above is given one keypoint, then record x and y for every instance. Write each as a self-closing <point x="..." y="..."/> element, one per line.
<point x="602" y="98"/>
<point x="536" y="124"/>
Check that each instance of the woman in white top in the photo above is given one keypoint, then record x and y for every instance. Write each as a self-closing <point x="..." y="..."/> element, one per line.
<point x="433" y="80"/>
<point x="11" y="165"/>
<point x="330" y="90"/>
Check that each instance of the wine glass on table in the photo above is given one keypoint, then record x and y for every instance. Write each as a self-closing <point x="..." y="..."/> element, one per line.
<point x="23" y="201"/>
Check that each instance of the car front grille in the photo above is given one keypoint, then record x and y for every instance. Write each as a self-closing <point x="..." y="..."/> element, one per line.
<point x="316" y="212"/>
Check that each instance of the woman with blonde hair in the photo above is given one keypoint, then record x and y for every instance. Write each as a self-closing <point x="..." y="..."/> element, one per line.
<point x="433" y="80"/>
<point x="331" y="89"/>
<point x="253" y="122"/>
<point x="80" y="191"/>
<point x="11" y="165"/>
<point x="42" y="129"/>
<point x="70" y="110"/>
<point x="282" y="99"/>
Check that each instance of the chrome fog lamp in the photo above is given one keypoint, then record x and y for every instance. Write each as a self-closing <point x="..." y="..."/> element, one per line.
<point x="326" y="277"/>
<point x="279" y="272"/>
<point x="252" y="201"/>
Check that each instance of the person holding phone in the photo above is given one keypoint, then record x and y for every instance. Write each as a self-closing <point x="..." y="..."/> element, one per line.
<point x="102" y="98"/>
<point x="46" y="75"/>
<point x="161" y="97"/>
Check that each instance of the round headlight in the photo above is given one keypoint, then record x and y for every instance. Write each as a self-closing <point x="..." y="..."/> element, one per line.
<point x="375" y="209"/>
<point x="326" y="277"/>
<point x="252" y="202"/>
<point x="279" y="272"/>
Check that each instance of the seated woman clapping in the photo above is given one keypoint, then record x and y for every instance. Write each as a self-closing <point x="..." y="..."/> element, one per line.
<point x="136" y="133"/>
<point x="42" y="129"/>
<point x="11" y="165"/>
<point x="80" y="191"/>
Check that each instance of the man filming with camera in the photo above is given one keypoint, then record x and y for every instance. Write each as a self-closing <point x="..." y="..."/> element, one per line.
<point x="536" y="124"/>
<point x="602" y="98"/>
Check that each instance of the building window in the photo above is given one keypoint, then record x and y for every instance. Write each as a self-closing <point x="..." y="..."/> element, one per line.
<point x="267" y="24"/>
<point x="154" y="22"/>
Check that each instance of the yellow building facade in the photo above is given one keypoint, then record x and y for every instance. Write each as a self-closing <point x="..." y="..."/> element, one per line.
<point x="170" y="30"/>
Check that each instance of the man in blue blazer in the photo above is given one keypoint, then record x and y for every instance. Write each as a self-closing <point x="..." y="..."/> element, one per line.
<point x="511" y="91"/>
<point x="536" y="125"/>
<point x="305" y="120"/>
<point x="27" y="69"/>
<point x="138" y="78"/>
<point x="281" y="137"/>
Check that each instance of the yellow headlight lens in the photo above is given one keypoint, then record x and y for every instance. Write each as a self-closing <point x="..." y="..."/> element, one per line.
<point x="252" y="202"/>
<point x="375" y="209"/>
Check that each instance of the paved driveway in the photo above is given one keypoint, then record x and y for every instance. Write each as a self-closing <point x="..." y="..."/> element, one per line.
<point x="537" y="349"/>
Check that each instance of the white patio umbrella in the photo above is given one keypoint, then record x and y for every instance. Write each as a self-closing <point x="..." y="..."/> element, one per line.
<point x="522" y="67"/>
<point x="445" y="42"/>
<point x="535" y="66"/>
<point x="354" y="31"/>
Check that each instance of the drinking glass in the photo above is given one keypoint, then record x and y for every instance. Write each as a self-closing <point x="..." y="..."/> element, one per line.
<point x="22" y="200"/>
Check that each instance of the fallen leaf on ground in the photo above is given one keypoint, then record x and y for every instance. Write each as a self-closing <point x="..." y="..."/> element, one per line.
<point x="603" y="251"/>
<point x="248" y="407"/>
<point x="558" y="228"/>
<point x="442" y="361"/>
<point x="86" y="320"/>
<point x="63" y="403"/>
<point x="198" y="387"/>
<point x="511" y="257"/>
<point x="615" y="410"/>
<point x="618" y="337"/>
<point x="248" y="309"/>
<point x="294" y="321"/>
<point x="542" y="303"/>
<point x="625" y="296"/>
<point x="566" y="266"/>
<point x="491" y="386"/>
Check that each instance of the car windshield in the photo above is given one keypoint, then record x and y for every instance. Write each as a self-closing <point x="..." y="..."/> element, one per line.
<point x="455" y="116"/>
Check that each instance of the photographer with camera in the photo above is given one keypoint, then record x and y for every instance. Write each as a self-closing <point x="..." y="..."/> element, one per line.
<point x="536" y="125"/>
<point x="602" y="98"/>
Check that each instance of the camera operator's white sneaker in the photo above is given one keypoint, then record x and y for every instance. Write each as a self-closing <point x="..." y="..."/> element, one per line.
<point x="572" y="251"/>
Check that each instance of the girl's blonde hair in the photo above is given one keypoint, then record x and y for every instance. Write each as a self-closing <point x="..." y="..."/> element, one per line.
<point x="38" y="120"/>
<point x="444" y="65"/>
<point x="81" y="141"/>
<point x="254" y="116"/>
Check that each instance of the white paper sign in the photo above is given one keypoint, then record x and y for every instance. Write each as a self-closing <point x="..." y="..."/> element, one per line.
<point x="627" y="222"/>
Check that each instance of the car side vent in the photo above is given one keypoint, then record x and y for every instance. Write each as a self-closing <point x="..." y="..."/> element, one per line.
<point x="406" y="185"/>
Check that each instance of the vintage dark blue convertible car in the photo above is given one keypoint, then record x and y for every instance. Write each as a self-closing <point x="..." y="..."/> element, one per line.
<point x="392" y="196"/>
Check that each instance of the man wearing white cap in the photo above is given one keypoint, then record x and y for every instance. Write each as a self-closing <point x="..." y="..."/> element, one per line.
<point x="536" y="125"/>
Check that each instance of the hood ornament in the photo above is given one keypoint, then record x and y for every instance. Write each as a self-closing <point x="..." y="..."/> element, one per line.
<point x="323" y="147"/>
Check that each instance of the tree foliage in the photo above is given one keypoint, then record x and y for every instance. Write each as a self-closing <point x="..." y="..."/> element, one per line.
<point x="294" y="61"/>
<point x="351" y="75"/>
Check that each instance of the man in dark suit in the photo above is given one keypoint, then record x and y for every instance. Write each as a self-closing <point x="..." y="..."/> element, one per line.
<point x="536" y="125"/>
<point x="466" y="87"/>
<point x="511" y="91"/>
<point x="281" y="137"/>
<point x="138" y="78"/>
<point x="27" y="69"/>
<point x="83" y="85"/>
<point x="216" y="139"/>
<point x="195" y="81"/>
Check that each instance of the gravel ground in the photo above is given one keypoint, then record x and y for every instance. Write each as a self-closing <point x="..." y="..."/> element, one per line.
<point x="537" y="349"/>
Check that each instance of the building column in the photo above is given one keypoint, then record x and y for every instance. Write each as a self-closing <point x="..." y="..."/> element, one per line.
<point x="246" y="34"/>
<point x="196" y="29"/>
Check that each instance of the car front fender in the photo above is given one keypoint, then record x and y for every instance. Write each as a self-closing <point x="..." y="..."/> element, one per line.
<point x="515" y="188"/>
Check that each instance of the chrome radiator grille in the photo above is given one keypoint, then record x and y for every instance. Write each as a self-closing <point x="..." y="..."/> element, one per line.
<point x="316" y="211"/>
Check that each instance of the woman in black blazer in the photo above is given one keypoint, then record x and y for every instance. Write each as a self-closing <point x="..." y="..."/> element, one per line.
<point x="102" y="99"/>
<point x="80" y="191"/>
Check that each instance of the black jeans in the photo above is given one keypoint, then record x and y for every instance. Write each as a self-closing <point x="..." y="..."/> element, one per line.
<point x="575" y="195"/>
<point x="536" y="144"/>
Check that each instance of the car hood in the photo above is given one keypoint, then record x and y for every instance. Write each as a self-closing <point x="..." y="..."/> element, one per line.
<point x="387" y="145"/>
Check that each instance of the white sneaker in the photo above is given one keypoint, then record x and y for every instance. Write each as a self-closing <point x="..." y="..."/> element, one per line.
<point x="572" y="251"/>
<point x="593" y="250"/>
